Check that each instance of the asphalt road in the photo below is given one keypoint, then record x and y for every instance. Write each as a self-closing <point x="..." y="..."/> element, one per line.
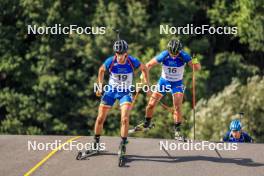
<point x="144" y="157"/>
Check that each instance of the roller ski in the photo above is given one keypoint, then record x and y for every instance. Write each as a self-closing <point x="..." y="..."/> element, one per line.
<point x="95" y="150"/>
<point x="179" y="137"/>
<point x="86" y="154"/>
<point x="122" y="154"/>
<point x="178" y="134"/>
<point x="141" y="127"/>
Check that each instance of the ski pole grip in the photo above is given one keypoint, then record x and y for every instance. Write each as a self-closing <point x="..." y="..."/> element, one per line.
<point x="195" y="60"/>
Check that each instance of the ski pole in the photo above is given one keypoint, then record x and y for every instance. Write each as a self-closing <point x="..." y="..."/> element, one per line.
<point x="193" y="99"/>
<point x="134" y="99"/>
<point x="117" y="33"/>
<point x="166" y="107"/>
<point x="241" y="115"/>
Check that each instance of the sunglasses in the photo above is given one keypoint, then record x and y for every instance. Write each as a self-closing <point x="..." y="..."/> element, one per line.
<point x="120" y="53"/>
<point x="235" y="131"/>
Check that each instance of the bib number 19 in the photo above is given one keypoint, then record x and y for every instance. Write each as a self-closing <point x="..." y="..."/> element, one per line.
<point x="122" y="77"/>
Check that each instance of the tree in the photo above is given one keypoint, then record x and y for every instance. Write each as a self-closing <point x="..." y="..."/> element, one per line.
<point x="246" y="15"/>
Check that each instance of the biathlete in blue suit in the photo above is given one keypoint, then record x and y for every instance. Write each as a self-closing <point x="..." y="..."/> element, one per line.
<point x="173" y="61"/>
<point x="121" y="67"/>
<point x="235" y="134"/>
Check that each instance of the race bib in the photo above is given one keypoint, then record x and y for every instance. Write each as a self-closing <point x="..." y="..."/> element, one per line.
<point x="172" y="73"/>
<point x="121" y="81"/>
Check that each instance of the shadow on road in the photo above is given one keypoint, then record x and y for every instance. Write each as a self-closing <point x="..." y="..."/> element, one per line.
<point x="239" y="161"/>
<point x="170" y="159"/>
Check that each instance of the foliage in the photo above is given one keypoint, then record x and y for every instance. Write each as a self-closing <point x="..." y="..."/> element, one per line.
<point x="215" y="114"/>
<point x="46" y="81"/>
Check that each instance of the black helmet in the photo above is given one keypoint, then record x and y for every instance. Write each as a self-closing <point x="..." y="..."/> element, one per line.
<point x="174" y="46"/>
<point x="120" y="46"/>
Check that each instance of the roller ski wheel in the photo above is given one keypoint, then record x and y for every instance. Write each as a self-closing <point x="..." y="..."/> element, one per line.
<point x="121" y="155"/>
<point x="79" y="156"/>
<point x="121" y="161"/>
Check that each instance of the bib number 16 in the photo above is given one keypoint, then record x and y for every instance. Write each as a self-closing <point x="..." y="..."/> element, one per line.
<point x="172" y="70"/>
